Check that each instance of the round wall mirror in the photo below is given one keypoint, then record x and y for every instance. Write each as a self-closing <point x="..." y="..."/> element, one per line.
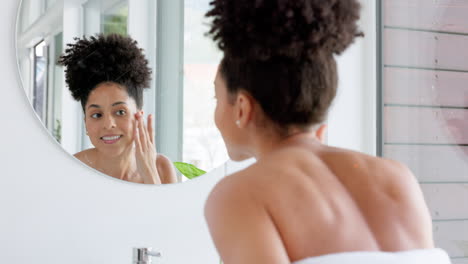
<point x="182" y="61"/>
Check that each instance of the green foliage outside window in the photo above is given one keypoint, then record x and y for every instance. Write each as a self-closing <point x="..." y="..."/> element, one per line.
<point x="188" y="170"/>
<point x="116" y="22"/>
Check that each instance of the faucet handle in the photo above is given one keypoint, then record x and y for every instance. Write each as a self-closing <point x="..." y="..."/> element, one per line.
<point x="143" y="255"/>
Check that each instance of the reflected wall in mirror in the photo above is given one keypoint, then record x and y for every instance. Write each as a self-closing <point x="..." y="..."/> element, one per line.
<point x="182" y="61"/>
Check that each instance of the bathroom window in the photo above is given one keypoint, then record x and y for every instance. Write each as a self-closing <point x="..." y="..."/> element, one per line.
<point x="31" y="15"/>
<point x="202" y="143"/>
<point x="114" y="20"/>
<point x="45" y="88"/>
<point x="40" y="80"/>
<point x="49" y="3"/>
<point x="55" y="82"/>
<point x="424" y="107"/>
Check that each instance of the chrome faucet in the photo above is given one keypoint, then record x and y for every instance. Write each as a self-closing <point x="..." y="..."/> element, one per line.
<point x="143" y="255"/>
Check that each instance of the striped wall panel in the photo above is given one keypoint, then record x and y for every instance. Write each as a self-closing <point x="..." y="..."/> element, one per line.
<point x="432" y="163"/>
<point x="439" y="15"/>
<point x="425" y="125"/>
<point x="421" y="49"/>
<point x="445" y="200"/>
<point x="460" y="260"/>
<point x="452" y="236"/>
<point x="425" y="107"/>
<point x="425" y="87"/>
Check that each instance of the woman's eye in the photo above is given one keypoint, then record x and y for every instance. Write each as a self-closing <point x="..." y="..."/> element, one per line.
<point x="121" y="112"/>
<point x="96" y="115"/>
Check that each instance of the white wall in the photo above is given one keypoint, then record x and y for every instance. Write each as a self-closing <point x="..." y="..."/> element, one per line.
<point x="352" y="117"/>
<point x="54" y="210"/>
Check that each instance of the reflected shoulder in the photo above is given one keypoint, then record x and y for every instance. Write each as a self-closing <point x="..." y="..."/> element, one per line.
<point x="85" y="155"/>
<point x="166" y="169"/>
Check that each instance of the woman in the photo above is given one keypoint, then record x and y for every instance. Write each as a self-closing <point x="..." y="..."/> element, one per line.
<point x="302" y="201"/>
<point x="107" y="74"/>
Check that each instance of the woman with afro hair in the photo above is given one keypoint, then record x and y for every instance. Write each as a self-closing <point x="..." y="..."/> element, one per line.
<point x="302" y="201"/>
<point x="107" y="75"/>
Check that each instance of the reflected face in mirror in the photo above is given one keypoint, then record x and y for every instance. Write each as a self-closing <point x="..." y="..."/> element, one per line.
<point x="107" y="75"/>
<point x="111" y="123"/>
<point x="109" y="119"/>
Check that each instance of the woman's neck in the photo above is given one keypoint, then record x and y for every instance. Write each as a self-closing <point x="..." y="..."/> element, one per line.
<point x="122" y="166"/>
<point x="267" y="144"/>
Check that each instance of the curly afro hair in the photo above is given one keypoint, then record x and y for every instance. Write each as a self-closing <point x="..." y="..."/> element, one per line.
<point x="105" y="58"/>
<point x="282" y="53"/>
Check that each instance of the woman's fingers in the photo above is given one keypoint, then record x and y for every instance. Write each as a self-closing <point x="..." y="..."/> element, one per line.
<point x="145" y="153"/>
<point x="142" y="132"/>
<point x="136" y="136"/>
<point x="146" y="133"/>
<point x="150" y="129"/>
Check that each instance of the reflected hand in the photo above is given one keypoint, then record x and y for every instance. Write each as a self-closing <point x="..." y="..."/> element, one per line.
<point x="145" y="150"/>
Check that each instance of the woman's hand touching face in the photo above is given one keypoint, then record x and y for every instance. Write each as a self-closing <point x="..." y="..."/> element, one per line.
<point x="145" y="150"/>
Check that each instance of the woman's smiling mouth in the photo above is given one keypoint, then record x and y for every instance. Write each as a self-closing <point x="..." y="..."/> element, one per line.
<point x="111" y="139"/>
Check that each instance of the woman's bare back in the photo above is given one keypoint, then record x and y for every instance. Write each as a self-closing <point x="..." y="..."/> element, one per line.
<point x="349" y="202"/>
<point x="320" y="200"/>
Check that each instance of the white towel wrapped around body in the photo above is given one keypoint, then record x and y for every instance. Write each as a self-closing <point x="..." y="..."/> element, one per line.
<point x="423" y="256"/>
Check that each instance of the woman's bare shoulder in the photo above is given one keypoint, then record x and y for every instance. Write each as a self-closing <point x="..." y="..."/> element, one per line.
<point x="389" y="177"/>
<point x="231" y="190"/>
<point x="85" y="156"/>
<point x="333" y="156"/>
<point x="305" y="166"/>
<point x="166" y="169"/>
<point x="236" y="203"/>
<point x="293" y="166"/>
<point x="240" y="194"/>
<point x="237" y="185"/>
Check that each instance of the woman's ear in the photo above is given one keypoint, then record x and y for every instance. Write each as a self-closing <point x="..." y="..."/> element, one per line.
<point x="321" y="133"/>
<point x="244" y="109"/>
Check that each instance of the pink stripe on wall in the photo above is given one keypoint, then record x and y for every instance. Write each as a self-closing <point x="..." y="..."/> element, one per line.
<point x="425" y="49"/>
<point x="424" y="87"/>
<point x="418" y="125"/>
<point x="440" y="15"/>
<point x="432" y="163"/>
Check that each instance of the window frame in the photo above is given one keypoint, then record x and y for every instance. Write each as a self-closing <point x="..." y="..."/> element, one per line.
<point x="379" y="75"/>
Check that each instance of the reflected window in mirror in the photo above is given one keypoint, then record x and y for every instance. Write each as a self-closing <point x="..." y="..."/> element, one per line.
<point x="40" y="81"/>
<point x="114" y="20"/>
<point x="203" y="145"/>
<point x="50" y="3"/>
<point x="46" y="85"/>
